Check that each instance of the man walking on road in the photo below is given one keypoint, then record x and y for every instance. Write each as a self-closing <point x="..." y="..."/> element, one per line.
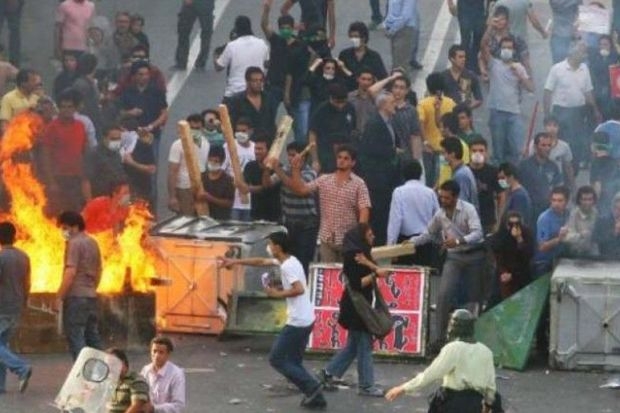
<point x="190" y="11"/>
<point x="14" y="289"/>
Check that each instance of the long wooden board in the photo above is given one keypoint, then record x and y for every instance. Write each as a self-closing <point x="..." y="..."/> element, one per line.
<point x="193" y="168"/>
<point x="229" y="136"/>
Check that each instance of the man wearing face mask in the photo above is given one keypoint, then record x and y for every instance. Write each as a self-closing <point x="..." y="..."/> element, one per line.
<point x="108" y="212"/>
<point x="219" y="188"/>
<point x="359" y="55"/>
<point x="180" y="194"/>
<point x="78" y="290"/>
<point x="245" y="150"/>
<point x="486" y="183"/>
<point x="213" y="130"/>
<point x="105" y="163"/>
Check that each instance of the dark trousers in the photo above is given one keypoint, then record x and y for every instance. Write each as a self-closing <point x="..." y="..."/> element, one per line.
<point x="375" y="8"/>
<point x="287" y="356"/>
<point x="12" y="18"/>
<point x="187" y="18"/>
<point x="573" y="123"/>
<point x="471" y="36"/>
<point x="302" y="237"/>
<point x="425" y="255"/>
<point x="80" y="324"/>
<point x="457" y="401"/>
<point x="275" y="94"/>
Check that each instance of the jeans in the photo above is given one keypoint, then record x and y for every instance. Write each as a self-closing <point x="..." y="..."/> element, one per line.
<point x="187" y="18"/>
<point x="359" y="345"/>
<point x="302" y="238"/>
<point x="559" y="48"/>
<point x="375" y="8"/>
<point x="301" y="115"/>
<point x="415" y="45"/>
<point x="275" y="95"/>
<point x="572" y="122"/>
<point x="431" y="167"/>
<point x="8" y="359"/>
<point x="80" y="324"/>
<point x="237" y="214"/>
<point x="287" y="357"/>
<point x="13" y="18"/>
<point x="507" y="134"/>
<point x="471" y="36"/>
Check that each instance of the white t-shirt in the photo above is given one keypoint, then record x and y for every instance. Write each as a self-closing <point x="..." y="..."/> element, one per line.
<point x="300" y="311"/>
<point x="177" y="156"/>
<point x="245" y="156"/>
<point x="568" y="87"/>
<point x="240" y="54"/>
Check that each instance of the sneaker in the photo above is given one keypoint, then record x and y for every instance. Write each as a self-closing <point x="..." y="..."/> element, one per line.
<point x="314" y="402"/>
<point x="371" y="391"/>
<point x="327" y="381"/>
<point x="23" y="381"/>
<point x="416" y="66"/>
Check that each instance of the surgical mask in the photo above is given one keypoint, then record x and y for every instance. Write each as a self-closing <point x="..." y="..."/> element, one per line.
<point x="328" y="76"/>
<point x="506" y="54"/>
<point x="197" y="136"/>
<point x="269" y="251"/>
<point x="242" y="137"/>
<point x="125" y="200"/>
<point x="114" y="146"/>
<point x="503" y="183"/>
<point x="66" y="234"/>
<point x="286" y="33"/>
<point x="214" y="167"/>
<point x="356" y="41"/>
<point x="477" y="158"/>
<point x="604" y="52"/>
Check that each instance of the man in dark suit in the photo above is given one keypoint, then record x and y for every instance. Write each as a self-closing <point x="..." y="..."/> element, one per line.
<point x="379" y="151"/>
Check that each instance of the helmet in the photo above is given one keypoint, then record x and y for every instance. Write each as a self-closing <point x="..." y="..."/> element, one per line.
<point x="461" y="326"/>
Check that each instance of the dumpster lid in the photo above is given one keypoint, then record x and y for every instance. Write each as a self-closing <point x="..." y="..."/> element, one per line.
<point x="207" y="228"/>
<point x="588" y="269"/>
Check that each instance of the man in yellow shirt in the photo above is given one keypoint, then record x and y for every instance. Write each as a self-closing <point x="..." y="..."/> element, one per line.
<point x="465" y="368"/>
<point x="430" y="110"/>
<point x="449" y="129"/>
<point x="22" y="98"/>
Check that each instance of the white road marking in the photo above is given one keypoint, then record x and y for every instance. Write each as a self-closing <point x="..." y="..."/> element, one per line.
<point x="176" y="83"/>
<point x="433" y="48"/>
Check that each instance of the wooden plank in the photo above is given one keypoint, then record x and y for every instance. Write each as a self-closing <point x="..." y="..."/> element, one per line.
<point x="392" y="251"/>
<point x="191" y="160"/>
<point x="229" y="136"/>
<point x="284" y="127"/>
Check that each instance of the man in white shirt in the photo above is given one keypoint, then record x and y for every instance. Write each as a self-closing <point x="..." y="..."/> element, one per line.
<point x="287" y="352"/>
<point x="166" y="380"/>
<point x="180" y="195"/>
<point x="239" y="54"/>
<point x="245" y="151"/>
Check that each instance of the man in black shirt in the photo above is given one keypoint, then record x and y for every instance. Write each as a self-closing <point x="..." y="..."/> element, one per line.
<point x="462" y="85"/>
<point x="359" y="55"/>
<point x="332" y="124"/>
<point x="315" y="14"/>
<point x="219" y="189"/>
<point x="265" y="199"/>
<point x="486" y="182"/>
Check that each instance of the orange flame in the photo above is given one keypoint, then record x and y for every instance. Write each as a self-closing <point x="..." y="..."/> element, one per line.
<point x="40" y="237"/>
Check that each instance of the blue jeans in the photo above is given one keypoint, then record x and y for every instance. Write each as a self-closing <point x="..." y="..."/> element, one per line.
<point x="301" y="115"/>
<point x="472" y="31"/>
<point x="287" y="356"/>
<point x="302" y="237"/>
<point x="375" y="9"/>
<point x="8" y="359"/>
<point x="559" y="48"/>
<point x="507" y="134"/>
<point x="240" y="215"/>
<point x="359" y="345"/>
<point x="80" y="324"/>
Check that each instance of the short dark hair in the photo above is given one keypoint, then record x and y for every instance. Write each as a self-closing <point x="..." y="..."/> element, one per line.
<point x="550" y="119"/>
<point x="109" y="128"/>
<point x="7" y="233"/>
<point x="116" y="184"/>
<point x="163" y="341"/>
<point x="86" y="64"/>
<point x="286" y="20"/>
<point x="454" y="49"/>
<point x="365" y="70"/>
<point x="453" y="146"/>
<point x="137" y="66"/>
<point x="261" y="136"/>
<point x="435" y="83"/>
<point x="412" y="169"/>
<point x="138" y="18"/>
<point x="509" y="39"/>
<point x="119" y="354"/>
<point x="479" y="141"/>
<point x="252" y="70"/>
<point x="402" y="78"/>
<point x="217" y="151"/>
<point x="509" y="169"/>
<point x="140" y="48"/>
<point x="561" y="190"/>
<point x="23" y="76"/>
<point x="337" y="91"/>
<point x="539" y="136"/>
<point x="243" y="121"/>
<point x="211" y="111"/>
<point x="295" y="146"/>
<point x="196" y="117"/>
<point x="72" y="219"/>
<point x="361" y="28"/>
<point x="350" y="149"/>
<point x="585" y="190"/>
<point x="280" y="239"/>
<point x="462" y="108"/>
<point x="70" y="95"/>
<point x="451" y="186"/>
<point x="243" y="26"/>
<point x="502" y="11"/>
<point x="450" y="121"/>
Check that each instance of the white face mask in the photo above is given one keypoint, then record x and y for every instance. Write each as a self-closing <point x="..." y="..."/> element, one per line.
<point x="477" y="158"/>
<point x="269" y="251"/>
<point x="125" y="200"/>
<point x="328" y="76"/>
<point x="66" y="234"/>
<point x="356" y="41"/>
<point x="506" y="54"/>
<point x="214" y="167"/>
<point x="604" y="52"/>
<point x="114" y="146"/>
<point x="242" y="137"/>
<point x="503" y="183"/>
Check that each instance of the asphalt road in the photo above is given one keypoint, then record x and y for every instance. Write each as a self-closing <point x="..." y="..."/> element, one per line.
<point x="221" y="371"/>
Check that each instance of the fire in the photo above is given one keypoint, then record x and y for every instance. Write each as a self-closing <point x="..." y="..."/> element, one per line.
<point x="39" y="236"/>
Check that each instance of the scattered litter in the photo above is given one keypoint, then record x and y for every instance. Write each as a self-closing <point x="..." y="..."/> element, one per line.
<point x="247" y="350"/>
<point x="501" y="377"/>
<point x="612" y="383"/>
<point x="241" y="365"/>
<point x="222" y="354"/>
<point x="267" y="386"/>
<point x="235" y="401"/>
<point x="547" y="372"/>
<point x="199" y="370"/>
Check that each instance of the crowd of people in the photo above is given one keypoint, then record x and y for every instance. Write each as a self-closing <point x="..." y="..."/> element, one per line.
<point x="492" y="209"/>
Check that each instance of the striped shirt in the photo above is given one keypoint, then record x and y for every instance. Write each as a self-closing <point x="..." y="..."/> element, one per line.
<point x="295" y="207"/>
<point x="131" y="388"/>
<point x="340" y="205"/>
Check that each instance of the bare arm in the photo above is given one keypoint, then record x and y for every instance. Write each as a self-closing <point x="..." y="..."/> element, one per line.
<point x="137" y="406"/>
<point x="173" y="175"/>
<point x="295" y="290"/>
<point x="531" y="15"/>
<point x="264" y="18"/>
<point x="58" y="38"/>
<point x="67" y="279"/>
<point x="286" y="7"/>
<point x="379" y="85"/>
<point x="364" y="215"/>
<point x="312" y="139"/>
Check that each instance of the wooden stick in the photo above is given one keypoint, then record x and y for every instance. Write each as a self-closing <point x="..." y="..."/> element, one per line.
<point x="193" y="168"/>
<point x="306" y="150"/>
<point x="526" y="148"/>
<point x="391" y="251"/>
<point x="284" y="127"/>
<point x="229" y="136"/>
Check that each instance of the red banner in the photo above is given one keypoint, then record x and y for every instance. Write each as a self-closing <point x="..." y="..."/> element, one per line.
<point x="404" y="291"/>
<point x="614" y="80"/>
